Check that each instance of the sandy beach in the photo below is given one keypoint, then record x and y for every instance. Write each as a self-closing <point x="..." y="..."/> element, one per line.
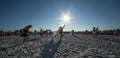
<point x="79" y="46"/>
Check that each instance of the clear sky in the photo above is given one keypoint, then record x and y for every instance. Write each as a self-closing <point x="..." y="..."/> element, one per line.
<point x="46" y="14"/>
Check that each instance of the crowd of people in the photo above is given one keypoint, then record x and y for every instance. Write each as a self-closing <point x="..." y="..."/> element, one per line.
<point x="111" y="32"/>
<point x="96" y="31"/>
<point x="9" y="33"/>
<point x="24" y="32"/>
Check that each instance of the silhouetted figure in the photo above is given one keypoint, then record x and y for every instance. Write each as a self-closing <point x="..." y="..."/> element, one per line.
<point x="35" y="32"/>
<point x="60" y="31"/>
<point x="117" y="32"/>
<point x="16" y="32"/>
<point x="41" y="32"/>
<point x="46" y="32"/>
<point x="72" y="33"/>
<point x="95" y="32"/>
<point x="1" y="33"/>
<point x="25" y="33"/>
<point x="86" y="32"/>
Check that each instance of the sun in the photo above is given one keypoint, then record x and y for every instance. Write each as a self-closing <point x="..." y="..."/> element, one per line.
<point x="66" y="17"/>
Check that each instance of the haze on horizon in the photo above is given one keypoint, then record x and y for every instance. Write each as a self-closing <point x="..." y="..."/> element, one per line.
<point x="46" y="14"/>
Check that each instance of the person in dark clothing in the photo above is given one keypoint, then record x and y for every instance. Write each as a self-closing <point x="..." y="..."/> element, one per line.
<point x="25" y="33"/>
<point x="35" y="32"/>
<point x="41" y="32"/>
<point x="118" y="31"/>
<point x="95" y="32"/>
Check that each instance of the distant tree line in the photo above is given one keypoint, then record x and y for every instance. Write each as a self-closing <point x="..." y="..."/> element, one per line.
<point x="19" y="32"/>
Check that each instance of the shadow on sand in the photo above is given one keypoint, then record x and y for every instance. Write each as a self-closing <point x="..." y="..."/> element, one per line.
<point x="16" y="44"/>
<point x="116" y="40"/>
<point x="51" y="46"/>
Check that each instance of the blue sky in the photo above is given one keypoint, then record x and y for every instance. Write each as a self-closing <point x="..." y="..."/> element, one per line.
<point x="46" y="14"/>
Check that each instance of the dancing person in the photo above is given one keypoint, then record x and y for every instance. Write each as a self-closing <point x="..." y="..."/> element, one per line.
<point x="60" y="31"/>
<point x="25" y="33"/>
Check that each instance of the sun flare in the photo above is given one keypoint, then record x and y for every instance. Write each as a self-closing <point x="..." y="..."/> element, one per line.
<point x="66" y="17"/>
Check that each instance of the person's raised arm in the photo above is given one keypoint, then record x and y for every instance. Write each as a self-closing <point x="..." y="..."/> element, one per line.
<point x="63" y="26"/>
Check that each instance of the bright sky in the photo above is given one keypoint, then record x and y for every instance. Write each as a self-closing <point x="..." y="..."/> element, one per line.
<point x="47" y="14"/>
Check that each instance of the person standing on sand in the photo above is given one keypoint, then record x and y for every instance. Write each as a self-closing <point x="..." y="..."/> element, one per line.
<point x="35" y="32"/>
<point x="118" y="32"/>
<point x="60" y="31"/>
<point x="41" y="32"/>
<point x="72" y="33"/>
<point x="25" y="33"/>
<point x="97" y="32"/>
<point x="46" y="32"/>
<point x="93" y="31"/>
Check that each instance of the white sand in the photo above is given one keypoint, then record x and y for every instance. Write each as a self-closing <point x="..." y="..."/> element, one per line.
<point x="69" y="47"/>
